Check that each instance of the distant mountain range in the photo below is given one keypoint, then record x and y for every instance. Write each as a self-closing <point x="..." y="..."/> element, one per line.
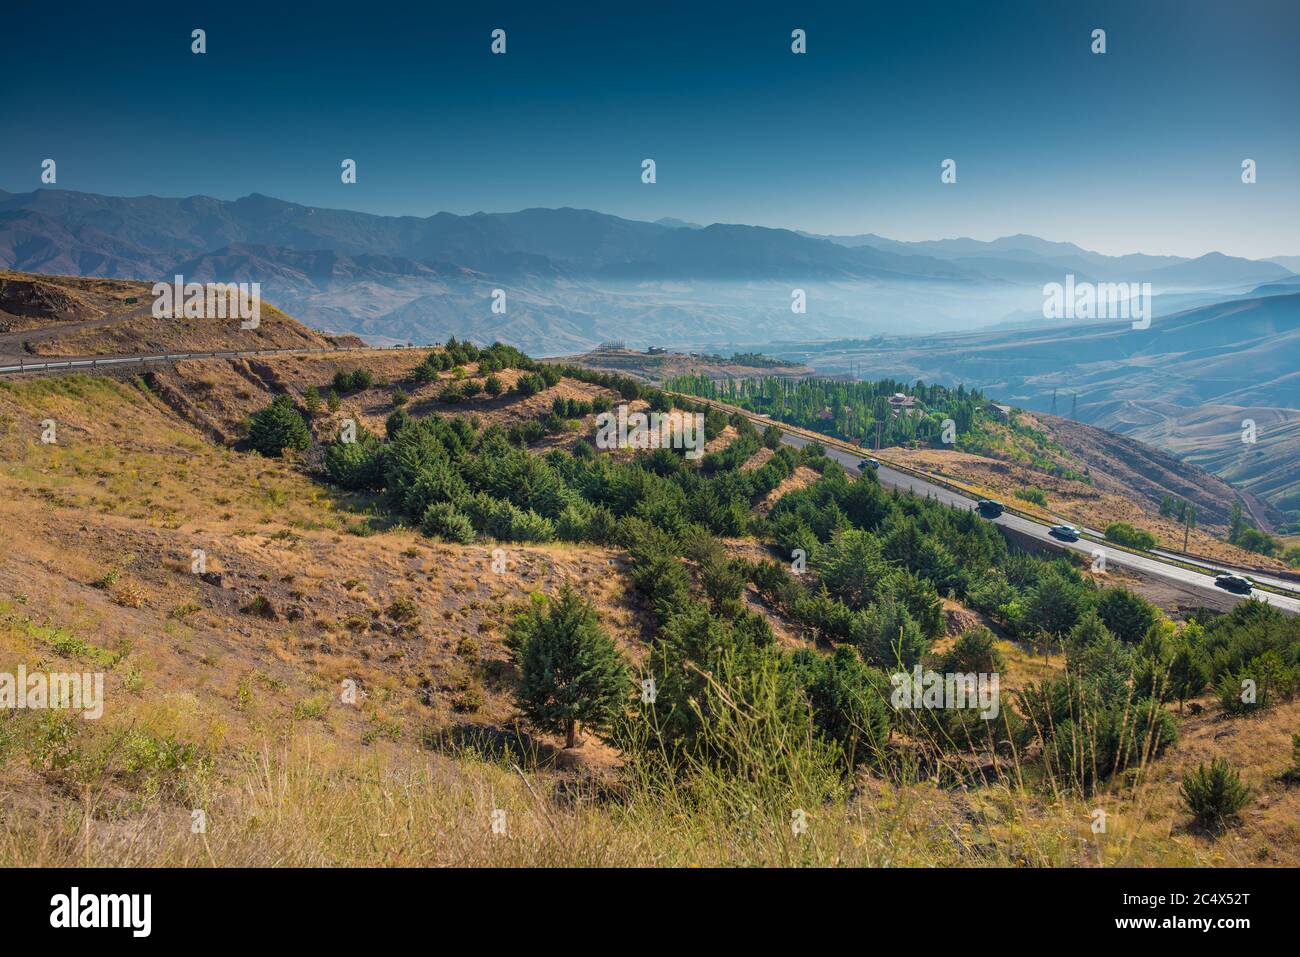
<point x="1028" y="258"/>
<point x="573" y="277"/>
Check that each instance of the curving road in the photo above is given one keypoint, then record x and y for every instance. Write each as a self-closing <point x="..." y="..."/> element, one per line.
<point x="1198" y="581"/>
<point x="117" y="362"/>
<point x="1151" y="566"/>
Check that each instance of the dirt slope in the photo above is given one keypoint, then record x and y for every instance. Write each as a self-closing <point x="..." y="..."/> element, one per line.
<point x="51" y="316"/>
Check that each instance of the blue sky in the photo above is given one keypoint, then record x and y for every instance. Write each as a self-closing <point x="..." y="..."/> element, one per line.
<point x="1138" y="149"/>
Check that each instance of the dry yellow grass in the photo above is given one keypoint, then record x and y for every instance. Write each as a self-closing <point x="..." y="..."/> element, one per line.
<point x="213" y="706"/>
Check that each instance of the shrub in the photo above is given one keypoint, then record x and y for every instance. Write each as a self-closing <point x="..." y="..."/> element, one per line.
<point x="1085" y="739"/>
<point x="530" y="384"/>
<point x="400" y="398"/>
<point x="1292" y="774"/>
<point x="492" y="386"/>
<point x="570" y="671"/>
<point x="528" y="526"/>
<point x="443" y="520"/>
<point x="1269" y="677"/>
<point x="1126" y="615"/>
<point x="1032" y="493"/>
<point x="354" y="381"/>
<point x="887" y="635"/>
<point x="1215" y="794"/>
<point x="356" y="465"/>
<point x="1054" y="606"/>
<point x="404" y="609"/>
<point x="278" y="427"/>
<point x="1253" y="540"/>
<point x="396" y="421"/>
<point x="974" y="651"/>
<point x="848" y="701"/>
<point x="1122" y="533"/>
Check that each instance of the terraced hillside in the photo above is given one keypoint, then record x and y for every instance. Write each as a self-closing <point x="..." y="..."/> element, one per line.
<point x="320" y="643"/>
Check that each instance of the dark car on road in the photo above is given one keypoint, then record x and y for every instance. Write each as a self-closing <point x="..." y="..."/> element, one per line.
<point x="989" y="508"/>
<point x="869" y="464"/>
<point x="1238" y="583"/>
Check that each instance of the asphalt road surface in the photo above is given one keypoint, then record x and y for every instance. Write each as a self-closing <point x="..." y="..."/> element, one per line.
<point x="1114" y="557"/>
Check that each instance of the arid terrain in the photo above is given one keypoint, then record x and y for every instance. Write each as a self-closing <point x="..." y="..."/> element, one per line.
<point x="656" y="367"/>
<point x="224" y="676"/>
<point x="52" y="316"/>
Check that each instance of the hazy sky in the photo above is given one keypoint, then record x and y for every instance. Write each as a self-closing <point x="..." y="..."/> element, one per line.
<point x="1139" y="149"/>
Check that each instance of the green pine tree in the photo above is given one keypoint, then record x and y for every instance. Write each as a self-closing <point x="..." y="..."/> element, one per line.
<point x="278" y="427"/>
<point x="570" y="671"/>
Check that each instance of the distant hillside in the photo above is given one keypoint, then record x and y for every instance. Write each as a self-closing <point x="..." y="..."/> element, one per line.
<point x="655" y="368"/>
<point x="1025" y="257"/>
<point x="1186" y="384"/>
<point x="49" y="316"/>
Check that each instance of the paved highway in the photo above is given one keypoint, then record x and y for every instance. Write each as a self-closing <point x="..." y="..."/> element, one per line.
<point x="890" y="477"/>
<point x="117" y="362"/>
<point x="894" y="478"/>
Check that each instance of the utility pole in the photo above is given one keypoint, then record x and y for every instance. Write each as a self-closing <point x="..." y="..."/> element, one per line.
<point x="1053" y="402"/>
<point x="1074" y="407"/>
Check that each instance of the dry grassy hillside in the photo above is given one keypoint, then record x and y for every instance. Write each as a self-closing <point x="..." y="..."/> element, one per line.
<point x="225" y="687"/>
<point x="219" y="395"/>
<point x="1127" y="480"/>
<point x="51" y="316"/>
<point x="660" y="366"/>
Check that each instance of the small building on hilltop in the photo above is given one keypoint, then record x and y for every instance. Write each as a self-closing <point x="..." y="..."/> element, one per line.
<point x="1000" y="412"/>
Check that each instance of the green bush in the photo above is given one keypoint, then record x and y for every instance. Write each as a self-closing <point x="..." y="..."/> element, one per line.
<point x="1126" y="615"/>
<point x="1032" y="493"/>
<point x="1089" y="733"/>
<point x="1122" y="533"/>
<point x="278" y="427"/>
<point x="1273" y="681"/>
<point x="1214" y="794"/>
<point x="975" y="651"/>
<point x="443" y="520"/>
<point x="570" y="671"/>
<point x="849" y="701"/>
<point x="354" y="381"/>
<point x="530" y="385"/>
<point x="888" y="636"/>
